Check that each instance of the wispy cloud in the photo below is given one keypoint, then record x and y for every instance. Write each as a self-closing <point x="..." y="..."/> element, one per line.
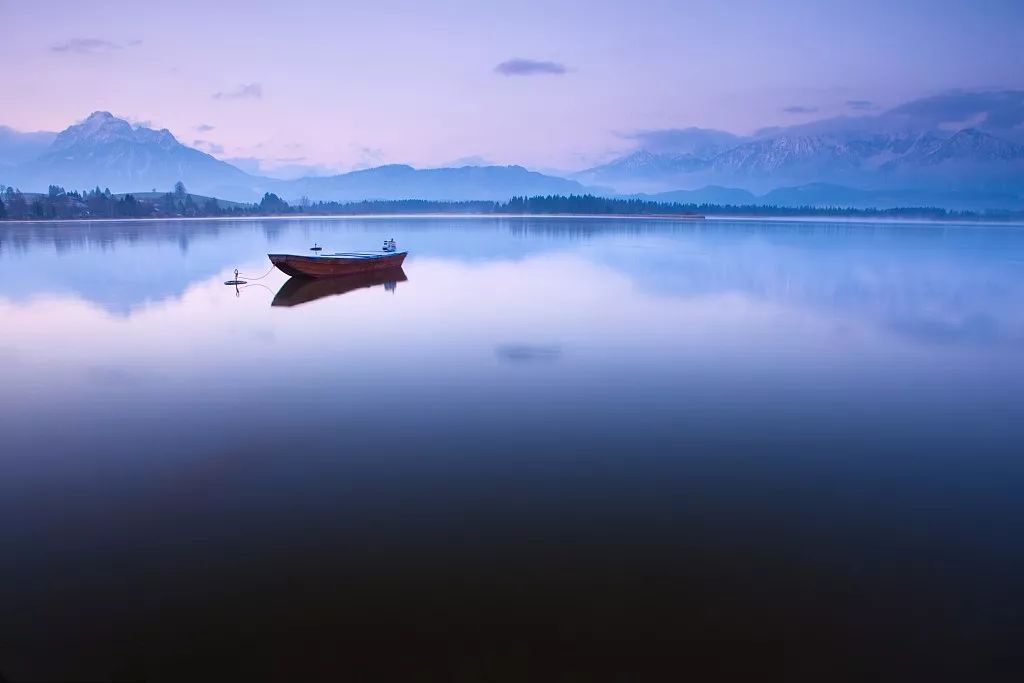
<point x="860" y="105"/>
<point x="699" y="141"/>
<point x="250" y="165"/>
<point x="529" y="67"/>
<point x="369" y="157"/>
<point x="799" y="109"/>
<point x="472" y="160"/>
<point x="208" y="147"/>
<point x="204" y="127"/>
<point x="245" y="91"/>
<point x="91" y="46"/>
<point x="280" y="168"/>
<point x="999" y="109"/>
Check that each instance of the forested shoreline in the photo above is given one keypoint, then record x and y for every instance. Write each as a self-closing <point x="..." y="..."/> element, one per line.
<point x="59" y="203"/>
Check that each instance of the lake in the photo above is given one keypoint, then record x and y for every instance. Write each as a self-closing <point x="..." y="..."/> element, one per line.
<point x="550" y="448"/>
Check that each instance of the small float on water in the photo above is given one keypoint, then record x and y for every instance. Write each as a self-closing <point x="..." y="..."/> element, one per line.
<point x="340" y="263"/>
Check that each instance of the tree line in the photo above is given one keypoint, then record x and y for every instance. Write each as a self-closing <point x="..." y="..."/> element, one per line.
<point x="600" y="206"/>
<point x="60" y="203"/>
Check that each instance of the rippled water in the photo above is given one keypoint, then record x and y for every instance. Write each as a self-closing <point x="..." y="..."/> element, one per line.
<point x="548" y="445"/>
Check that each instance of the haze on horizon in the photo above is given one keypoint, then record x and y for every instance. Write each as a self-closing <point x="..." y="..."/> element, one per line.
<point x="561" y="84"/>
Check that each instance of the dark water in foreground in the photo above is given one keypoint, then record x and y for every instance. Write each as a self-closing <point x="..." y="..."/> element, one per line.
<point x="558" y="449"/>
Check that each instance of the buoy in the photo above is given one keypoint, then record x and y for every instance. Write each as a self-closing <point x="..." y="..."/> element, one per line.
<point x="236" y="281"/>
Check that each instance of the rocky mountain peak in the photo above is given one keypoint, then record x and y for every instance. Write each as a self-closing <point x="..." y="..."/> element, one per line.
<point x="102" y="127"/>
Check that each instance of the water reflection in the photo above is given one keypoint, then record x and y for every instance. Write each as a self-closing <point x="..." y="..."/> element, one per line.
<point x="300" y="290"/>
<point x="528" y="353"/>
<point x="940" y="277"/>
<point x="597" y="438"/>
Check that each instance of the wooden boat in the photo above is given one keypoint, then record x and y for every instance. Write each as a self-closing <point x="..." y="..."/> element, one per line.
<point x="334" y="265"/>
<point x="300" y="290"/>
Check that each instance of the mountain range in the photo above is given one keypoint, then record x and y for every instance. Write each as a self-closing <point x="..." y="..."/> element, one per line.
<point x="108" y="152"/>
<point x="958" y="150"/>
<point x="967" y="159"/>
<point x="970" y="143"/>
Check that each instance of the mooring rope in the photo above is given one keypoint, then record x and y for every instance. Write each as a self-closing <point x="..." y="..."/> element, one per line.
<point x="257" y="284"/>
<point x="249" y="277"/>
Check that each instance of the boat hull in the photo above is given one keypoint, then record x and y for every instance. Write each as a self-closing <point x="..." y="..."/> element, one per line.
<point x="334" y="266"/>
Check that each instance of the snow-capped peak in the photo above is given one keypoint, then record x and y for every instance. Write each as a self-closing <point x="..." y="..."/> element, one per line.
<point x="102" y="127"/>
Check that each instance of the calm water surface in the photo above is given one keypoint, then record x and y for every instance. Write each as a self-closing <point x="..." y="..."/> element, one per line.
<point x="564" y="446"/>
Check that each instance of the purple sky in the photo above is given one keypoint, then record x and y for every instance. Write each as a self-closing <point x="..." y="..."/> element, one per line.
<point x="549" y="84"/>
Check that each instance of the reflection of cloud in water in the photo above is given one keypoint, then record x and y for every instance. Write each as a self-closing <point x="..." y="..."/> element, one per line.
<point x="973" y="329"/>
<point x="264" y="334"/>
<point x="870" y="272"/>
<point x="121" y="376"/>
<point x="8" y="354"/>
<point x="527" y="353"/>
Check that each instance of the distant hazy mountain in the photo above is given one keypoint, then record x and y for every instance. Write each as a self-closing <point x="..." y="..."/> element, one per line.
<point x="405" y="182"/>
<point x="830" y="195"/>
<point x="712" y="194"/>
<point x="17" y="147"/>
<point x="824" y="195"/>
<point x="644" y="169"/>
<point x="922" y="145"/>
<point x="667" y="157"/>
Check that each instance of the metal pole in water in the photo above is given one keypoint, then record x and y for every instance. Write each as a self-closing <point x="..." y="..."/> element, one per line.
<point x="236" y="281"/>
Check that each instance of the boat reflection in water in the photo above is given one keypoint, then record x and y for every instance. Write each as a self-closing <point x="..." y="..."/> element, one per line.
<point x="299" y="290"/>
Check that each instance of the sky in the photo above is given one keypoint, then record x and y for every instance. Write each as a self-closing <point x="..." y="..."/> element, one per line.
<point x="550" y="84"/>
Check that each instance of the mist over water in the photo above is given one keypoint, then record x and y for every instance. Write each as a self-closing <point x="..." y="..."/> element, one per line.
<point x="574" y="446"/>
